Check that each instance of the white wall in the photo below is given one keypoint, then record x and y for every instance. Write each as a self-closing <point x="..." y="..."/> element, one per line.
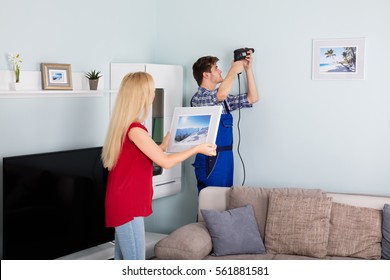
<point x="332" y="135"/>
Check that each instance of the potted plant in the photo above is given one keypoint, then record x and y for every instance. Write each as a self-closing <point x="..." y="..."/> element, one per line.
<point x="93" y="77"/>
<point x="15" y="60"/>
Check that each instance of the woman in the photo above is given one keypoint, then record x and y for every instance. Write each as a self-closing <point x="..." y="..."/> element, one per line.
<point x="129" y="153"/>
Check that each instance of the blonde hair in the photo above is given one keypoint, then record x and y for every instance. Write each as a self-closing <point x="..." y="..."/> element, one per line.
<point x="135" y="96"/>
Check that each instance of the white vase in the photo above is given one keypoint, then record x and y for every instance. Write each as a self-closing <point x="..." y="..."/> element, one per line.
<point x="16" y="86"/>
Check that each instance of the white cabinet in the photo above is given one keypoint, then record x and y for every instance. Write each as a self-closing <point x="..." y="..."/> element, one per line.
<point x="168" y="81"/>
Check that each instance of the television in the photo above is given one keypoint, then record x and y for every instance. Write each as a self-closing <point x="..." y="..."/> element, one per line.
<point x="53" y="204"/>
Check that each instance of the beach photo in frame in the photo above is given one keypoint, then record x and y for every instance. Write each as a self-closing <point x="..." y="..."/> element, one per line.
<point x="192" y="126"/>
<point x="56" y="76"/>
<point x="338" y="59"/>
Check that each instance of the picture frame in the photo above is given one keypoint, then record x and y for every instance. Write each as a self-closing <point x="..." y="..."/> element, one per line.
<point x="192" y="126"/>
<point x="338" y="59"/>
<point x="56" y="76"/>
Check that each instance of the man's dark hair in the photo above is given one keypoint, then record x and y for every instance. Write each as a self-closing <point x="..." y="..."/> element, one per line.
<point x="202" y="65"/>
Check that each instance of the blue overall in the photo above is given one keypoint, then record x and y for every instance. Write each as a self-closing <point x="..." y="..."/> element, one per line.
<point x="218" y="170"/>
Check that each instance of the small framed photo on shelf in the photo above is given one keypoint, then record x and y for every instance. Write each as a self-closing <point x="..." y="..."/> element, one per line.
<point x="338" y="59"/>
<point x="56" y="76"/>
<point x="192" y="126"/>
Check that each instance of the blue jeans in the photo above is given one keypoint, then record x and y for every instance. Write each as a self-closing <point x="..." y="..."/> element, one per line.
<point x="130" y="240"/>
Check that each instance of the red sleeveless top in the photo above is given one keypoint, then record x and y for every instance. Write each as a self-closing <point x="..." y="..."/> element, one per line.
<point x="129" y="186"/>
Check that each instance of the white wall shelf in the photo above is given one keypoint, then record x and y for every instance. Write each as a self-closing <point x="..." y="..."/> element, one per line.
<point x="32" y="86"/>
<point x="52" y="93"/>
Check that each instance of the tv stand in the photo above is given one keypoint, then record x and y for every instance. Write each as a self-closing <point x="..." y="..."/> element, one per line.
<point x="105" y="251"/>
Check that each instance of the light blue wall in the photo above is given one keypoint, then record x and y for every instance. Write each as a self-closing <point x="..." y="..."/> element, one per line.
<point x="88" y="34"/>
<point x="332" y="135"/>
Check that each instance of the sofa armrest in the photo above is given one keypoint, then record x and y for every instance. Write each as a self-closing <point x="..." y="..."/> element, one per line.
<point x="189" y="242"/>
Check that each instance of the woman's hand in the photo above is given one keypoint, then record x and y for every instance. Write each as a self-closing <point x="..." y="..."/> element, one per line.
<point x="208" y="149"/>
<point x="164" y="144"/>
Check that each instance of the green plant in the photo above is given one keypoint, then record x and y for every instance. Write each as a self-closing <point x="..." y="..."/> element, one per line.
<point x="15" y="60"/>
<point x="93" y="75"/>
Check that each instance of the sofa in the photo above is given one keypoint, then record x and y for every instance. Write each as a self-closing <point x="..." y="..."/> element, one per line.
<point x="256" y="223"/>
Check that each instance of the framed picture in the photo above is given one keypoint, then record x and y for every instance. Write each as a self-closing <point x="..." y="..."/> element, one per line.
<point x="338" y="59"/>
<point x="192" y="126"/>
<point x="56" y="76"/>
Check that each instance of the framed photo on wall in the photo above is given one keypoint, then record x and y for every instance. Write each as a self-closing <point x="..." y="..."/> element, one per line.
<point x="56" y="76"/>
<point x="338" y="59"/>
<point x="192" y="126"/>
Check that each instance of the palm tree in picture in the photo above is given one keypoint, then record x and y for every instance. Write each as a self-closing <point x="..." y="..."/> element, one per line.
<point x="330" y="53"/>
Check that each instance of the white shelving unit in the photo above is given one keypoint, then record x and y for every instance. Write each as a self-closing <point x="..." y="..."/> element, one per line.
<point x="169" y="79"/>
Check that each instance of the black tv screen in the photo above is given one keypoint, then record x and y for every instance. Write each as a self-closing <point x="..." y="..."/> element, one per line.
<point x="53" y="204"/>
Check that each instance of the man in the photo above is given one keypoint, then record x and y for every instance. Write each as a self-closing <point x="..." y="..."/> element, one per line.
<point x="218" y="170"/>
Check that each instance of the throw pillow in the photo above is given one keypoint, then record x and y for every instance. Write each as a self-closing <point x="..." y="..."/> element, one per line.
<point x="386" y="232"/>
<point x="298" y="225"/>
<point x="355" y="232"/>
<point x="189" y="242"/>
<point x="233" y="231"/>
<point x="258" y="197"/>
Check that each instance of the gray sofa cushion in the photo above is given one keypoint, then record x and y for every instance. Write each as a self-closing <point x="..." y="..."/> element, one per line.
<point x="386" y="232"/>
<point x="241" y="257"/>
<point x="233" y="231"/>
